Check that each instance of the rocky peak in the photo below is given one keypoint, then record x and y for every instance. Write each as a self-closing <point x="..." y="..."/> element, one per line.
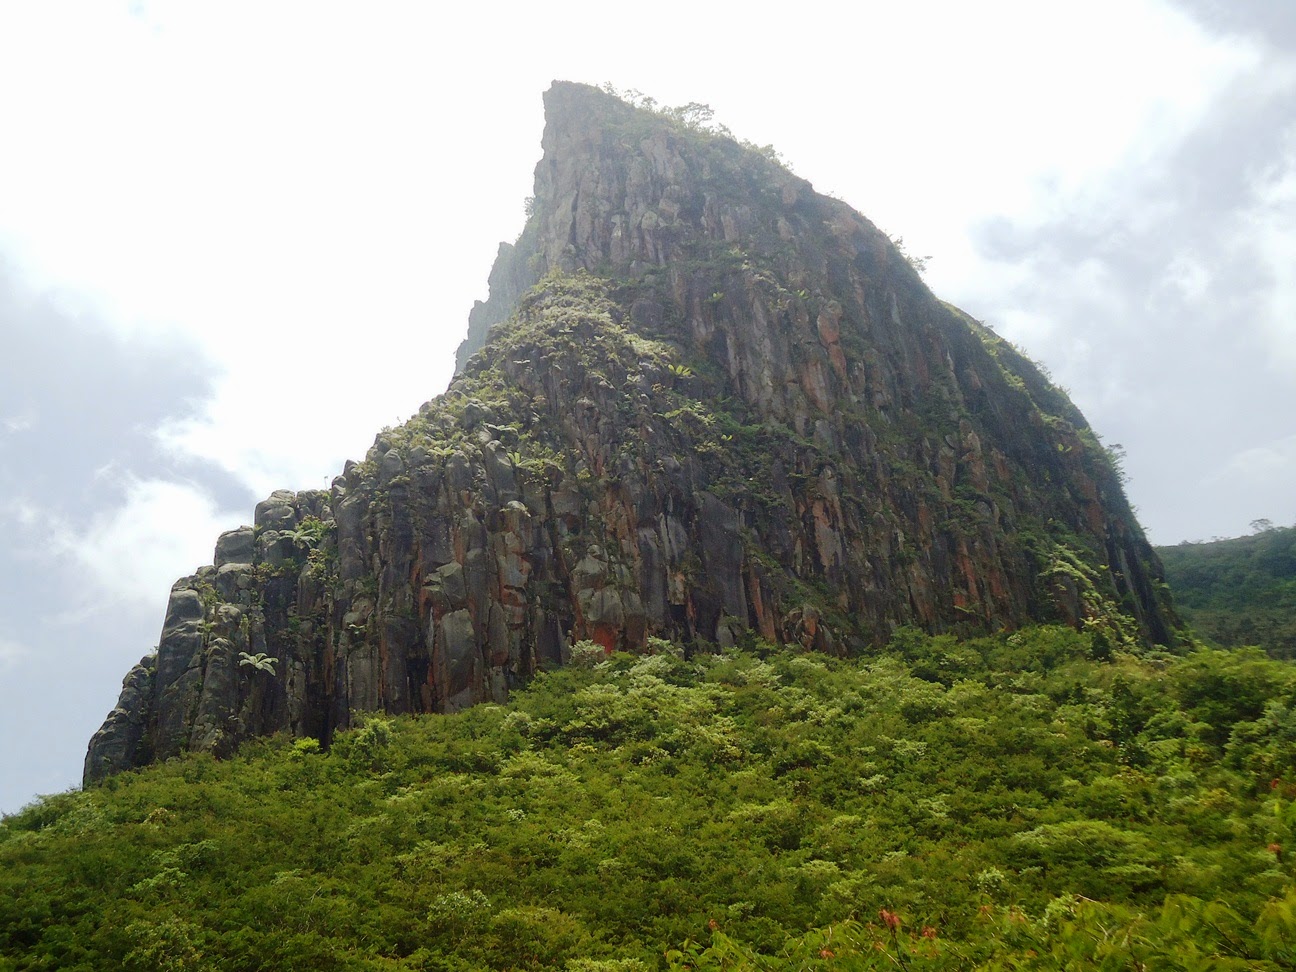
<point x="703" y="403"/>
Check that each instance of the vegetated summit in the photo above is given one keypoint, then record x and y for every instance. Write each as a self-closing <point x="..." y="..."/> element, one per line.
<point x="703" y="402"/>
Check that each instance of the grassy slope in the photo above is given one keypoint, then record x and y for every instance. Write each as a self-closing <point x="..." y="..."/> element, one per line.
<point x="1010" y="802"/>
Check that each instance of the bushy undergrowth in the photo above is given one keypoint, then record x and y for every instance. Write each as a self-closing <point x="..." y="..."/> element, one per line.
<point x="1003" y="803"/>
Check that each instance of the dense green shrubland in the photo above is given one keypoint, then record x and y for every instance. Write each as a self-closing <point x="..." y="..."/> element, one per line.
<point x="1006" y="802"/>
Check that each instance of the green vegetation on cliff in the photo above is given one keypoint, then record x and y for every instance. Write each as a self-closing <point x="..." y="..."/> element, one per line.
<point x="1240" y="591"/>
<point x="1034" y="800"/>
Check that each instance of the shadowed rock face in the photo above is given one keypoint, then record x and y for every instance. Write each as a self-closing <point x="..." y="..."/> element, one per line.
<point x="709" y="405"/>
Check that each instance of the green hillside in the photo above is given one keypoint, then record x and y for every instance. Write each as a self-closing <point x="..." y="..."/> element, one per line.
<point x="1240" y="591"/>
<point x="1025" y="801"/>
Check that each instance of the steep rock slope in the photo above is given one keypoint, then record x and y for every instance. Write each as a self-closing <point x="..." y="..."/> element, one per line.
<point x="709" y="404"/>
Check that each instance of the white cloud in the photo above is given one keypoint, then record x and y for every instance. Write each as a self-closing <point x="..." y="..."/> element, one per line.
<point x="1273" y="462"/>
<point x="1185" y="279"/>
<point x="19" y="423"/>
<point x="23" y="512"/>
<point x="11" y="652"/>
<point x="320" y="218"/>
<point x="313" y="196"/>
<point x="1026" y="122"/>
<point x="162" y="531"/>
<point x="1267" y="227"/>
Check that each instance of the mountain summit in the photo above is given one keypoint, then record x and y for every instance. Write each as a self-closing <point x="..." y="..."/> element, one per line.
<point x="704" y="403"/>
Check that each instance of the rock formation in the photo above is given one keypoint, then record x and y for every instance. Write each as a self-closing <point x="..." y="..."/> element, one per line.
<point x="709" y="405"/>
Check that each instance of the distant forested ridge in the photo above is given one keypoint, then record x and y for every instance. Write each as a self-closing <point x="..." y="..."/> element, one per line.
<point x="1240" y="591"/>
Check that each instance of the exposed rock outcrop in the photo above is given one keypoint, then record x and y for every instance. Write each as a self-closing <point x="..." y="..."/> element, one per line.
<point x="711" y="405"/>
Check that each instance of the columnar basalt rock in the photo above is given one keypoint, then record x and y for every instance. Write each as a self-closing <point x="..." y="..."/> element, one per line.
<point x="709" y="405"/>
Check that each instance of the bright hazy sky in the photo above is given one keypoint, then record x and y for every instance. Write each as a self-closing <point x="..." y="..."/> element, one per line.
<point x="237" y="239"/>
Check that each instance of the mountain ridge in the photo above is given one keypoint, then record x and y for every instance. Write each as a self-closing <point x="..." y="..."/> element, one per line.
<point x="710" y="405"/>
<point x="1240" y="590"/>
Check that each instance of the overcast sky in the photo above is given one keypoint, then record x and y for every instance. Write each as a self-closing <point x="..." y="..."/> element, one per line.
<point x="238" y="239"/>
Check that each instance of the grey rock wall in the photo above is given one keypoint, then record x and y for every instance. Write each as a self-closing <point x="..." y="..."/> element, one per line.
<point x="729" y="409"/>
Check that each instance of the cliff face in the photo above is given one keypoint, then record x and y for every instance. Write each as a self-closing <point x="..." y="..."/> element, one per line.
<point x="712" y="405"/>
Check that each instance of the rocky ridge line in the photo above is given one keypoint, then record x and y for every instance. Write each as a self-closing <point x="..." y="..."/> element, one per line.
<point x="710" y="405"/>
